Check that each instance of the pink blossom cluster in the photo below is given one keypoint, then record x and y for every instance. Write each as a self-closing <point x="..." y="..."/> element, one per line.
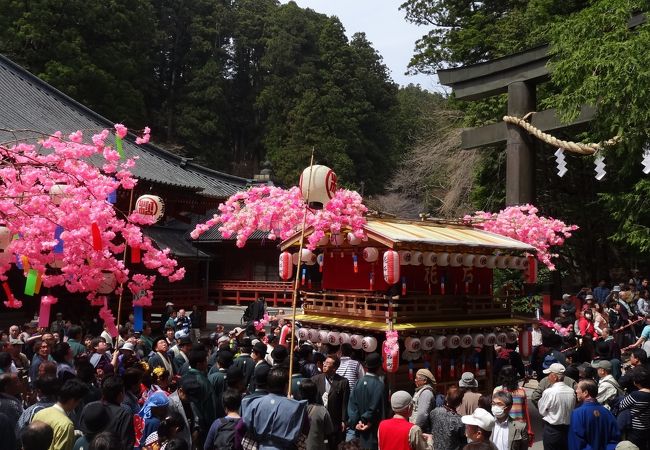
<point x="280" y="213"/>
<point x="391" y="342"/>
<point x="523" y="223"/>
<point x="51" y="192"/>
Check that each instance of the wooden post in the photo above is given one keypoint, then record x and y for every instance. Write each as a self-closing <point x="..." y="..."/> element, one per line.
<point x="520" y="162"/>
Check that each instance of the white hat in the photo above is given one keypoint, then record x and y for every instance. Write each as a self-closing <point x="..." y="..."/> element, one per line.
<point x="128" y="346"/>
<point x="169" y="304"/>
<point x="565" y="296"/>
<point x="589" y="297"/>
<point x="554" y="368"/>
<point x="481" y="418"/>
<point x="223" y="339"/>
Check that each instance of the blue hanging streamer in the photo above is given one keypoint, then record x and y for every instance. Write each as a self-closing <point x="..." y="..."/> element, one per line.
<point x="58" y="248"/>
<point x="137" y="318"/>
<point x="112" y="197"/>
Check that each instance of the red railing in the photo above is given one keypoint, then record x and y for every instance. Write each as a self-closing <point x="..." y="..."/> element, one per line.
<point x="238" y="291"/>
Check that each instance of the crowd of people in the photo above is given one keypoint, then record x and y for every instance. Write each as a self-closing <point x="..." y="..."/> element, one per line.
<point x="179" y="387"/>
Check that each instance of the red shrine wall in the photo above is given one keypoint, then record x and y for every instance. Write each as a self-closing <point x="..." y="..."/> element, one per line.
<point x="339" y="273"/>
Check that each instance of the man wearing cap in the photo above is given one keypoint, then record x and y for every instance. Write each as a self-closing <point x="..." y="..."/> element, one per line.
<point x="567" y="311"/>
<point x="608" y="387"/>
<point x="479" y="426"/>
<point x="545" y="383"/>
<point x="398" y="433"/>
<point x="15" y="350"/>
<point x="424" y="399"/>
<point x="334" y="393"/>
<point x="592" y="425"/>
<point x="258" y="355"/>
<point x="366" y="407"/>
<point x="555" y="407"/>
<point x="94" y="420"/>
<point x="468" y="386"/>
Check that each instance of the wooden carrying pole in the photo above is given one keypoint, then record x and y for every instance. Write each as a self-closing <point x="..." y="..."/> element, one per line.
<point x="295" y="286"/>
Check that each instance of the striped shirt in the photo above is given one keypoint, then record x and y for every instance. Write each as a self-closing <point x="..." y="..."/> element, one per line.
<point x="350" y="369"/>
<point x="638" y="402"/>
<point x="517" y="411"/>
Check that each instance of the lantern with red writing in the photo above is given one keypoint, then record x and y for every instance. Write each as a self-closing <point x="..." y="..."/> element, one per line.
<point x="322" y="187"/>
<point x="285" y="266"/>
<point x="391" y="267"/>
<point x="150" y="206"/>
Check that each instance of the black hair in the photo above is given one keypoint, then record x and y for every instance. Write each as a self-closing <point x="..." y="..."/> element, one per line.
<point x="74" y="332"/>
<point x="112" y="387"/>
<point x="132" y="377"/>
<point x="197" y="357"/>
<point x="173" y="420"/>
<point x="95" y="342"/>
<point x="641" y="376"/>
<point x="278" y="380"/>
<point x="346" y="350"/>
<point x="224" y="359"/>
<point x="590" y="386"/>
<point x="47" y="385"/>
<point x="231" y="400"/>
<point x="72" y="389"/>
<point x="640" y="354"/>
<point x="85" y="371"/>
<point x="176" y="444"/>
<point x="60" y="351"/>
<point x="508" y="378"/>
<point x="5" y="361"/>
<point x="308" y="390"/>
<point x="36" y="436"/>
<point x="106" y="441"/>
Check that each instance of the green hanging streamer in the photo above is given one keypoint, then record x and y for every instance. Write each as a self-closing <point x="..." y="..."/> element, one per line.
<point x="118" y="146"/>
<point x="30" y="284"/>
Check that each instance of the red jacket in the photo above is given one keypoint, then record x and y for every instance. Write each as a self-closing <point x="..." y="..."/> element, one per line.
<point x="394" y="434"/>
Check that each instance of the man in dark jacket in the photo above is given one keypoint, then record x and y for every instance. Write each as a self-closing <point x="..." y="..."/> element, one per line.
<point x="334" y="393"/>
<point x="366" y="407"/>
<point x="244" y="361"/>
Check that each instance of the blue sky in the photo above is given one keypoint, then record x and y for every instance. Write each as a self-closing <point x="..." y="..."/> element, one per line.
<point x="385" y="27"/>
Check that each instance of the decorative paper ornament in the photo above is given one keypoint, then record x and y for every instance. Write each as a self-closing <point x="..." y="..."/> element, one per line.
<point x="151" y="206"/>
<point x="5" y="238"/>
<point x="560" y="160"/>
<point x="356" y="341"/>
<point x="303" y="334"/>
<point x="428" y="342"/>
<point x="337" y="239"/>
<point x="453" y="341"/>
<point x="416" y="258"/>
<point x="108" y="284"/>
<point x="57" y="193"/>
<point x="515" y="262"/>
<point x="491" y="262"/>
<point x="443" y="259"/>
<point x="352" y="239"/>
<point x="490" y="339"/>
<point x="323" y="185"/>
<point x="456" y="259"/>
<point x="391" y="267"/>
<point x="312" y="335"/>
<point x="404" y="257"/>
<point x="320" y="259"/>
<point x="412" y="344"/>
<point x="322" y="336"/>
<point x="511" y="337"/>
<point x="369" y="344"/>
<point x="285" y="265"/>
<point x="503" y="261"/>
<point x="429" y="259"/>
<point x="466" y="341"/>
<point x="468" y="260"/>
<point x="646" y="159"/>
<point x="344" y="338"/>
<point x="480" y="260"/>
<point x="370" y="254"/>
<point x="390" y="357"/>
<point x="333" y="338"/>
<point x="599" y="163"/>
<point x="531" y="270"/>
<point x="478" y="340"/>
<point x="441" y="342"/>
<point x="502" y="339"/>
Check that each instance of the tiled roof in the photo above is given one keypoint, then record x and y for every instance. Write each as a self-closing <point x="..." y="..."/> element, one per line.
<point x="213" y="234"/>
<point x="29" y="103"/>
<point x="175" y="240"/>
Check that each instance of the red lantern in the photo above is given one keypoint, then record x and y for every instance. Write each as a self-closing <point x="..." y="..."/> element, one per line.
<point x="391" y="267"/>
<point x="390" y="357"/>
<point x="285" y="266"/>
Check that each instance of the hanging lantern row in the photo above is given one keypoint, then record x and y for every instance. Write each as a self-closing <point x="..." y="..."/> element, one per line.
<point x="367" y="343"/>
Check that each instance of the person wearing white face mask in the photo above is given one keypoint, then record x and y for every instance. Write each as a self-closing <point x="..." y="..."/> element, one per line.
<point x="508" y="434"/>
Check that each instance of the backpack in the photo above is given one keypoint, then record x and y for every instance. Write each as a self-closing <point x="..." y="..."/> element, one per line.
<point x="225" y="437"/>
<point x="614" y="403"/>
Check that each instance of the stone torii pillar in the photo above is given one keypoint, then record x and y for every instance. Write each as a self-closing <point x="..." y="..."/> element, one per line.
<point x="520" y="148"/>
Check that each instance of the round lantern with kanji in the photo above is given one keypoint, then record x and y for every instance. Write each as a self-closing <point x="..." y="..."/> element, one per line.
<point x="322" y="187"/>
<point x="150" y="206"/>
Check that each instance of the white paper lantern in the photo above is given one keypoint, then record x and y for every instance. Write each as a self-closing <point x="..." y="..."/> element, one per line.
<point x="456" y="259"/>
<point x="502" y="261"/>
<point x="369" y="344"/>
<point x="491" y="261"/>
<point x="416" y="258"/>
<point x="285" y="266"/>
<point x="356" y="341"/>
<point x="353" y="240"/>
<point x="404" y="257"/>
<point x="466" y="341"/>
<point x="322" y="336"/>
<point x="490" y="339"/>
<point x="294" y="259"/>
<point x="502" y="338"/>
<point x="337" y="239"/>
<point x="429" y="259"/>
<point x="512" y="337"/>
<point x="478" y="340"/>
<point x="428" y="342"/>
<point x="322" y="187"/>
<point x="443" y="259"/>
<point x="151" y="206"/>
<point x="303" y="334"/>
<point x="333" y="338"/>
<point x="57" y="193"/>
<point x="108" y="283"/>
<point x="307" y="255"/>
<point x="480" y="260"/>
<point x="453" y="341"/>
<point x="412" y="344"/>
<point x="5" y="238"/>
<point x="370" y="254"/>
<point x="514" y="262"/>
<point x="312" y="335"/>
<point x="468" y="260"/>
<point x="344" y="338"/>
<point x="441" y="342"/>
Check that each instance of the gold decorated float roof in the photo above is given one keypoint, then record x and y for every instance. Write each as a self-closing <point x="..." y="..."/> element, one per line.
<point x="403" y="234"/>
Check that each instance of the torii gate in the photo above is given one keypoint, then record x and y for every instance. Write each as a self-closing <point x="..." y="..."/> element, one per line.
<point x="518" y="76"/>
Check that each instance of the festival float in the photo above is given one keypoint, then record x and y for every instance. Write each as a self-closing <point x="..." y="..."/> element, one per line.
<point x="420" y="292"/>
